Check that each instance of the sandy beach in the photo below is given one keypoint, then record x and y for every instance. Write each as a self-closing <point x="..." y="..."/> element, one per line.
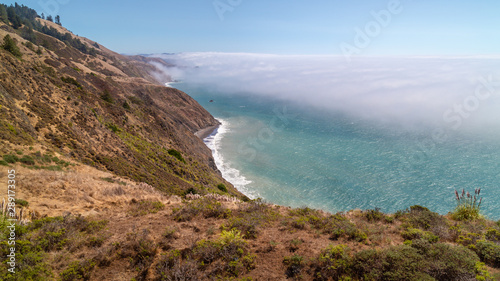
<point x="203" y="133"/>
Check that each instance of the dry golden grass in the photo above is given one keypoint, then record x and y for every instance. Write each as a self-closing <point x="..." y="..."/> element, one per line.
<point x="80" y="190"/>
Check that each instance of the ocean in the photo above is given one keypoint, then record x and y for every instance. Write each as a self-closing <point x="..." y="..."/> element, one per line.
<point x="294" y="154"/>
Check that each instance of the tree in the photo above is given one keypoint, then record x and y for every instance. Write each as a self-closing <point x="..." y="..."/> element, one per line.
<point x="3" y="14"/>
<point x="43" y="16"/>
<point x="49" y="18"/>
<point x="13" y="17"/>
<point x="10" y="45"/>
<point x="58" y="20"/>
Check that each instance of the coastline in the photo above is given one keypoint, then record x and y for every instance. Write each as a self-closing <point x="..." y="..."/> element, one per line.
<point x="205" y="132"/>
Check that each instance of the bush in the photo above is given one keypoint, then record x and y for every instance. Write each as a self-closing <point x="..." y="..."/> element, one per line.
<point x="246" y="225"/>
<point x="333" y="262"/>
<point x="106" y="96"/>
<point x="210" y="208"/>
<point x="373" y="215"/>
<point x="71" y="80"/>
<point x="22" y="202"/>
<point x="9" y="158"/>
<point x="126" y="105"/>
<point x="338" y="226"/>
<point x="415" y="233"/>
<point x="468" y="206"/>
<point x="489" y="253"/>
<point x="28" y="160"/>
<point x="176" y="154"/>
<point x="294" y="265"/>
<point x="222" y="187"/>
<point x="10" y="45"/>
<point x="230" y="248"/>
<point x="421" y="261"/>
<point x="493" y="235"/>
<point x="421" y="217"/>
<point x="78" y="271"/>
<point x="113" y="127"/>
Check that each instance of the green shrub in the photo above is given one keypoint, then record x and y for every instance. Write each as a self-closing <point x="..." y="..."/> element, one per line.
<point x="333" y="262"/>
<point x="53" y="240"/>
<point x="230" y="248"/>
<point x="4" y="163"/>
<point x="135" y="100"/>
<point x="420" y="217"/>
<point x="10" y="158"/>
<point x="176" y="154"/>
<point x="71" y="80"/>
<point x="222" y="187"/>
<point x="492" y="234"/>
<point x="21" y="202"/>
<point x="482" y="273"/>
<point x="126" y="105"/>
<point x="191" y="190"/>
<point x="113" y="127"/>
<point x="246" y="225"/>
<point x="78" y="270"/>
<point x="106" y="96"/>
<point x="489" y="253"/>
<point x="373" y="215"/>
<point x="299" y="223"/>
<point x="28" y="160"/>
<point x="421" y="261"/>
<point x="108" y="179"/>
<point x="468" y="206"/>
<point x="415" y="233"/>
<point x="93" y="227"/>
<point x="10" y="45"/>
<point x="294" y="266"/>
<point x="338" y="226"/>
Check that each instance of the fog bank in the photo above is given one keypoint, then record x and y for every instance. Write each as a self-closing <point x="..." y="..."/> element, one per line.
<point x="454" y="92"/>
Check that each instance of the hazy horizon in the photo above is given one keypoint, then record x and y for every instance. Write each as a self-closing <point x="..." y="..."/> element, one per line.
<point x="389" y="27"/>
<point x="454" y="93"/>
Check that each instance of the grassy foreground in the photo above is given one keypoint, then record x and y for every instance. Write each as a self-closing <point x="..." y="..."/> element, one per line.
<point x="217" y="237"/>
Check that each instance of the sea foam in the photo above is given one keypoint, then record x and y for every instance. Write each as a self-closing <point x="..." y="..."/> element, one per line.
<point x="231" y="174"/>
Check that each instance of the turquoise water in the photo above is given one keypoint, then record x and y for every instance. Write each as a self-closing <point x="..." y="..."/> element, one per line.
<point x="299" y="156"/>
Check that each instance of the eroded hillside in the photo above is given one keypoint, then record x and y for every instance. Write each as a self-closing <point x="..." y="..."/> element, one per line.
<point x="105" y="111"/>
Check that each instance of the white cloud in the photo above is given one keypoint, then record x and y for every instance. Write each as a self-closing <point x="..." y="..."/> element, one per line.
<point x="408" y="90"/>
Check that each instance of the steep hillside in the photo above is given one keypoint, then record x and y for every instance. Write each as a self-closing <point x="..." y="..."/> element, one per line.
<point x="103" y="110"/>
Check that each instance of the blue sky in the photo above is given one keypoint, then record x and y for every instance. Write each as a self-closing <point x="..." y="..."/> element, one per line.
<point x="283" y="27"/>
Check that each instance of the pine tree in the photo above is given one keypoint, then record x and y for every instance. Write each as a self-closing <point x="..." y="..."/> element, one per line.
<point x="49" y="18"/>
<point x="43" y="16"/>
<point x="10" y="45"/>
<point x="58" y="20"/>
<point x="3" y="14"/>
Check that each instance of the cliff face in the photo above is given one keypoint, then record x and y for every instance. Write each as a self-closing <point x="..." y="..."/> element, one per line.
<point x="105" y="110"/>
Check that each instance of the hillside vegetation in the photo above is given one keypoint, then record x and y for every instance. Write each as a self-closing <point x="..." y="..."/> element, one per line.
<point x="111" y="183"/>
